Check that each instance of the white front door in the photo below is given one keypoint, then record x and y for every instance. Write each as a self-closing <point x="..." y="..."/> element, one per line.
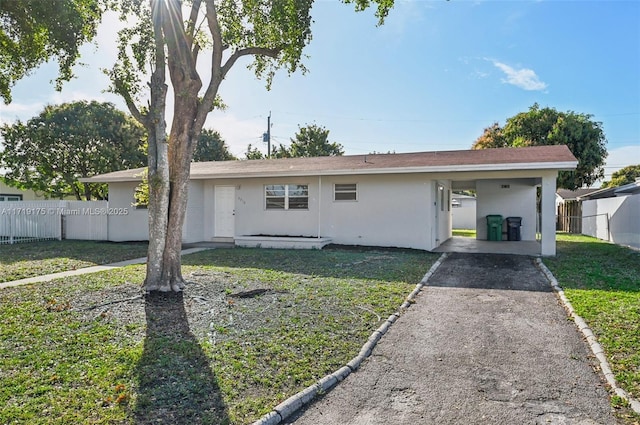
<point x="224" y="222"/>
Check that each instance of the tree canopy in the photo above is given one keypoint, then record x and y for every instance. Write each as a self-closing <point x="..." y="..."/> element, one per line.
<point x="623" y="176"/>
<point x="211" y="147"/>
<point x="169" y="36"/>
<point x="51" y="151"/>
<point x="547" y="126"/>
<point x="310" y="141"/>
<point x="34" y="31"/>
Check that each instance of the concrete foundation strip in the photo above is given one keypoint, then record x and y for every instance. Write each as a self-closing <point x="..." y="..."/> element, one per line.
<point x="324" y="385"/>
<point x="596" y="348"/>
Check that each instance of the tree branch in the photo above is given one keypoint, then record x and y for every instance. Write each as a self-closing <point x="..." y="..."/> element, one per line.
<point x="133" y="109"/>
<point x="216" y="34"/>
<point x="216" y="64"/>
<point x="257" y="51"/>
<point x="195" y="8"/>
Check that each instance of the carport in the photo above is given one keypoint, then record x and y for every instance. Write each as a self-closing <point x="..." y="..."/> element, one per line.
<point x="526" y="191"/>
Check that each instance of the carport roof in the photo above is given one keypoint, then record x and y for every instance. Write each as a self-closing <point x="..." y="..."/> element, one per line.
<point x="528" y="158"/>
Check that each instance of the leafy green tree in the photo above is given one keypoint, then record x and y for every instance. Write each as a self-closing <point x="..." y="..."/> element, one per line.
<point x="165" y="36"/>
<point x="253" y="152"/>
<point x="313" y="140"/>
<point x="309" y="141"/>
<point x="51" y="151"/>
<point x="623" y="176"/>
<point x="211" y="147"/>
<point x="492" y="137"/>
<point x="35" y="31"/>
<point x="546" y="126"/>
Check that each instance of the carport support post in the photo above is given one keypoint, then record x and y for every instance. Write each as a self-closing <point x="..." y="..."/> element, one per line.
<point x="548" y="215"/>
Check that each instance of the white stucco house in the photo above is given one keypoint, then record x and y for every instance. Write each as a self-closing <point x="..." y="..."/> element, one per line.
<point x="390" y="200"/>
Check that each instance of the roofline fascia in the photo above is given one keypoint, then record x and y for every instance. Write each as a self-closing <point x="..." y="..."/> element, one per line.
<point x="559" y="166"/>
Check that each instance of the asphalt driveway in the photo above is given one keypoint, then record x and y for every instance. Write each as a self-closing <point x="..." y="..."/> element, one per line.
<point x="485" y="343"/>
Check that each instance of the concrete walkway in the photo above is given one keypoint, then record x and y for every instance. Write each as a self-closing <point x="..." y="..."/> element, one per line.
<point x="485" y="343"/>
<point x="85" y="270"/>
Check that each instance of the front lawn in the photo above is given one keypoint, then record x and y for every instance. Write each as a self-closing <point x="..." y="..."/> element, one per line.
<point x="602" y="282"/>
<point x="252" y="328"/>
<point x="19" y="261"/>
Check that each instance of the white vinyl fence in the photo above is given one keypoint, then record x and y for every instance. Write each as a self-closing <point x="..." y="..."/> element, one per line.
<point x="28" y="221"/>
<point x="614" y="219"/>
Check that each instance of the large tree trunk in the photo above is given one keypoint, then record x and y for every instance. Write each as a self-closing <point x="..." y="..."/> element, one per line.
<point x="158" y="163"/>
<point x="169" y="183"/>
<point x="170" y="160"/>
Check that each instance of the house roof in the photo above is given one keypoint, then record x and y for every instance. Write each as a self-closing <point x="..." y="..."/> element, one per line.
<point x="610" y="192"/>
<point x="572" y="195"/>
<point x="557" y="157"/>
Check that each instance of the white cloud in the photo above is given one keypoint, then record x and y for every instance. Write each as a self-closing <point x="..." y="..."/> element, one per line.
<point x="619" y="158"/>
<point x="524" y="78"/>
<point x="23" y="111"/>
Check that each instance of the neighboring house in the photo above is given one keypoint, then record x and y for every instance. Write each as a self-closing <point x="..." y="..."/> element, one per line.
<point x="463" y="211"/>
<point x="613" y="214"/>
<point x="392" y="200"/>
<point x="8" y="193"/>
<point x="570" y="209"/>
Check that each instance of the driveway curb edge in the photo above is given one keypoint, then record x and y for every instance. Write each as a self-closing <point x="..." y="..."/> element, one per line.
<point x="288" y="407"/>
<point x="595" y="346"/>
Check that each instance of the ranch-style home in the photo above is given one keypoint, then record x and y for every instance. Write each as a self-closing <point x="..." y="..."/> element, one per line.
<point x="390" y="200"/>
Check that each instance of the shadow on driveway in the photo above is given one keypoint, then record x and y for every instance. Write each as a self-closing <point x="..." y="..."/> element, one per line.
<point x="490" y="271"/>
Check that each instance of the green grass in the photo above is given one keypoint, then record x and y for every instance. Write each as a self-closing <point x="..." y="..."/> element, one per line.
<point x="25" y="260"/>
<point x="201" y="357"/>
<point x="602" y="282"/>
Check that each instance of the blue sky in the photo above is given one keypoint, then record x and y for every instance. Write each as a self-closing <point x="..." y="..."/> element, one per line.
<point x="432" y="78"/>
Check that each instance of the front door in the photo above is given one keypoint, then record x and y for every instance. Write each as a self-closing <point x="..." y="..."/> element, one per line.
<point x="224" y="223"/>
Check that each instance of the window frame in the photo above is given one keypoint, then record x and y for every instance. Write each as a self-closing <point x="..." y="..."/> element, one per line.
<point x="336" y="191"/>
<point x="296" y="192"/>
<point x="4" y="196"/>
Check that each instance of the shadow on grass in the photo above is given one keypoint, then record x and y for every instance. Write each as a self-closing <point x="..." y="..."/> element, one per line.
<point x="176" y="383"/>
<point x="391" y="264"/>
<point x="98" y="252"/>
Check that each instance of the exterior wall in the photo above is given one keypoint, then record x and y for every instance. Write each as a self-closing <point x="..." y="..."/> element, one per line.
<point x="133" y="226"/>
<point x="615" y="219"/>
<point x="194" y="217"/>
<point x="251" y="216"/>
<point x="443" y="214"/>
<point x="389" y="211"/>
<point x="516" y="200"/>
<point x="27" y="195"/>
<point x="464" y="216"/>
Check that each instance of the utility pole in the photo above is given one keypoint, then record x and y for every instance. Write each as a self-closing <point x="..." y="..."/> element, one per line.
<point x="266" y="137"/>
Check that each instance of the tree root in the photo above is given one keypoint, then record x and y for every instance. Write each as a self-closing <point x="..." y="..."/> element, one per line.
<point x="93" y="307"/>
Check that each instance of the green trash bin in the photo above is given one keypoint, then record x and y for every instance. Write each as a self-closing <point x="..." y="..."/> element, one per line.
<point x="494" y="227"/>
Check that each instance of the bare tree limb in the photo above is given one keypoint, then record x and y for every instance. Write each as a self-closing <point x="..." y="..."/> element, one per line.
<point x="93" y="307"/>
<point x="133" y="109"/>
<point x="193" y="17"/>
<point x="257" y="51"/>
<point x="216" y="63"/>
